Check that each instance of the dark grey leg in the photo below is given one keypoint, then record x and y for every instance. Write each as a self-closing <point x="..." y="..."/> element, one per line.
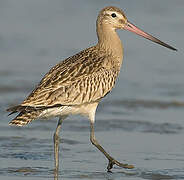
<point x="56" y="147"/>
<point x="112" y="161"/>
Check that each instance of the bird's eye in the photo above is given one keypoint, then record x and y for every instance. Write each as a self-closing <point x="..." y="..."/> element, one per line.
<point x="113" y="15"/>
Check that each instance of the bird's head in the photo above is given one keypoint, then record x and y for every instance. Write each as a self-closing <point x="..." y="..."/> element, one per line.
<point x="114" y="18"/>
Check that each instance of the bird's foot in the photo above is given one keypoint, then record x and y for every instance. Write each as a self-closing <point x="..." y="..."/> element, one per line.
<point x="115" y="162"/>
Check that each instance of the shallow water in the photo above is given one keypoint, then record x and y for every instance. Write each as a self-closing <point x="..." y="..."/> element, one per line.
<point x="141" y="122"/>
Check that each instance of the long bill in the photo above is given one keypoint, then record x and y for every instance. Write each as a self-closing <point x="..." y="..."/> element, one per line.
<point x="136" y="30"/>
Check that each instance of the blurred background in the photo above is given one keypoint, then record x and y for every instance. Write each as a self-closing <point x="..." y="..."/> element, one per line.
<point x="140" y="122"/>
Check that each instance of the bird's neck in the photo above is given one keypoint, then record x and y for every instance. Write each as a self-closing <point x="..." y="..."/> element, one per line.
<point x="109" y="41"/>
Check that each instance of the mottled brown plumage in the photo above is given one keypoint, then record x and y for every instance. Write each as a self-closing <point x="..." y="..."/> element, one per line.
<point x="80" y="79"/>
<point x="83" y="78"/>
<point x="77" y="84"/>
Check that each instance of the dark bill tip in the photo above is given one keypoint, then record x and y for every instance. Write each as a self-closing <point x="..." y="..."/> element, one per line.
<point x="136" y="30"/>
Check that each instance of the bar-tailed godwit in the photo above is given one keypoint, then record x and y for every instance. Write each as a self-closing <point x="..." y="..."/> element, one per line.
<point x="77" y="84"/>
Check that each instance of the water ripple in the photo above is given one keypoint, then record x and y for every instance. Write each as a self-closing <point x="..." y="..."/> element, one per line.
<point x="127" y="125"/>
<point x="142" y="103"/>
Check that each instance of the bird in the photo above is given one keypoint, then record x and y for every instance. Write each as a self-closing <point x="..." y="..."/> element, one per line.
<point x="77" y="84"/>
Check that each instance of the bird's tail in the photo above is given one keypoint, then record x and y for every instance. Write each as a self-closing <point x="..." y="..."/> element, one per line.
<point x="25" y="116"/>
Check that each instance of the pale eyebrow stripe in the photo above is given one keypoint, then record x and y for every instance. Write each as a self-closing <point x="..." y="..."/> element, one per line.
<point x="117" y="13"/>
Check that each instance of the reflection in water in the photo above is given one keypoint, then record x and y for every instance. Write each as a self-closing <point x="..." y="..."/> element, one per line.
<point x="134" y="174"/>
<point x="56" y="175"/>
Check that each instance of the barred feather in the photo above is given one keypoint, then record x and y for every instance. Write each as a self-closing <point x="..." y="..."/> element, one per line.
<point x="25" y="117"/>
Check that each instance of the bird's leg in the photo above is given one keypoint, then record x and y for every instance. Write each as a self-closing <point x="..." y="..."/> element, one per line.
<point x="56" y="147"/>
<point x="112" y="161"/>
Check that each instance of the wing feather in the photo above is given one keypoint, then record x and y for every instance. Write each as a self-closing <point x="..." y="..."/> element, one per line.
<point x="82" y="78"/>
